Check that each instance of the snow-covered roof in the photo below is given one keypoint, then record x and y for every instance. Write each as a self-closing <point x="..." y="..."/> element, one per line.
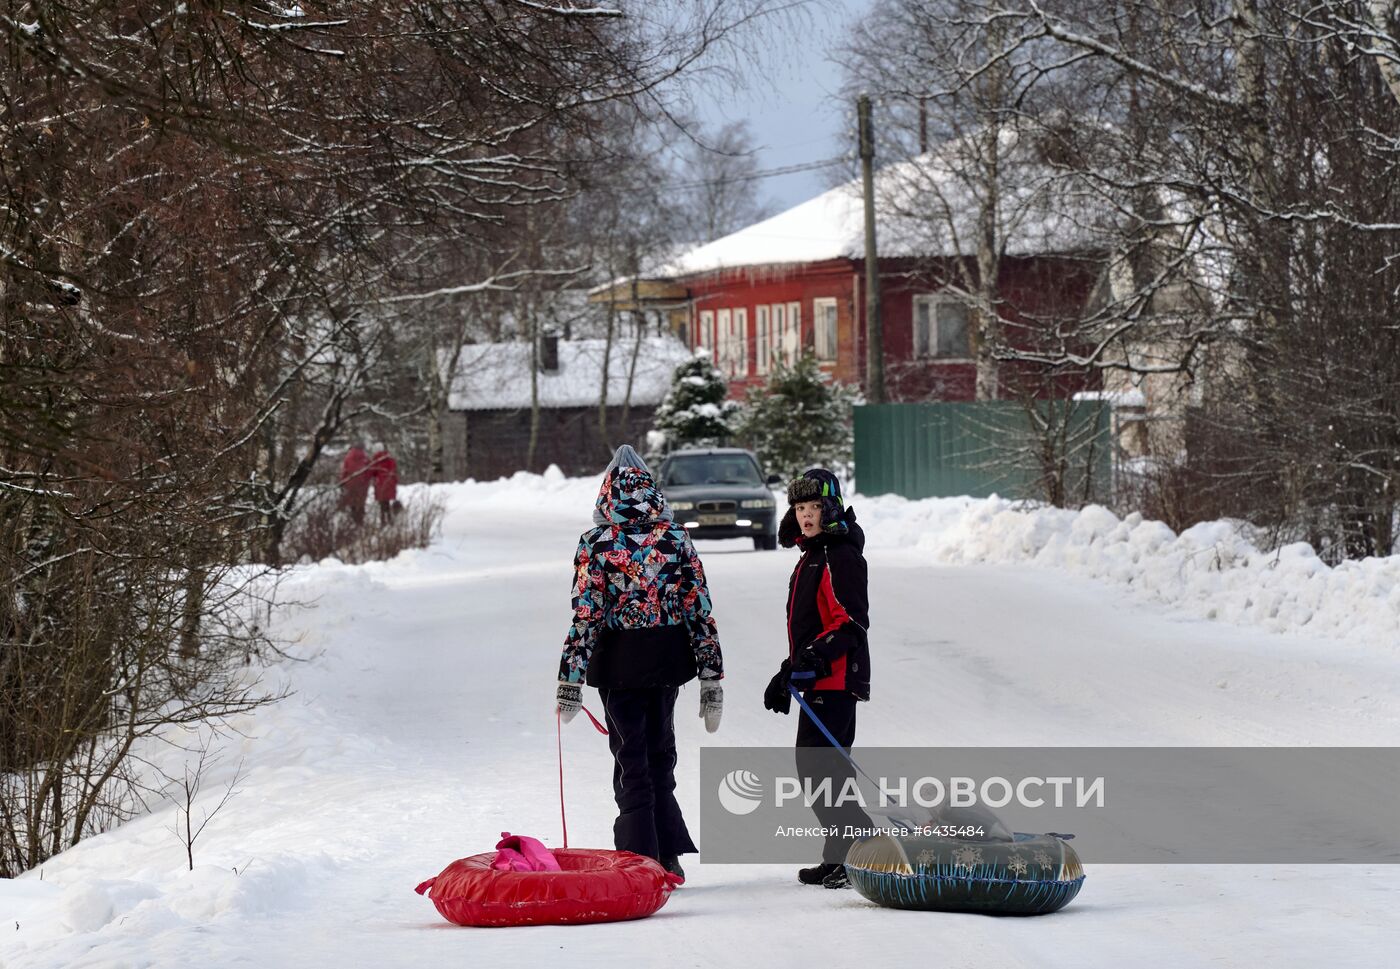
<point x="926" y="206"/>
<point x="829" y="226"/>
<point x="496" y="376"/>
<point x="1129" y="397"/>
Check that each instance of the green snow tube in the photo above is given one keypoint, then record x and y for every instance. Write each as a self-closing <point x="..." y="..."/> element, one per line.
<point x="1020" y="874"/>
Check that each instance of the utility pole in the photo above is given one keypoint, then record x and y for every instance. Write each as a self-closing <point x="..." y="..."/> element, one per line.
<point x="874" y="329"/>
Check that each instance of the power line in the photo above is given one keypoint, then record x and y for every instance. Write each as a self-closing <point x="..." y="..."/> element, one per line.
<point x="766" y="173"/>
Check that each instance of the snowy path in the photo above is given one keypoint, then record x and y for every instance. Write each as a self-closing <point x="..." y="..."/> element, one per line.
<point x="424" y="726"/>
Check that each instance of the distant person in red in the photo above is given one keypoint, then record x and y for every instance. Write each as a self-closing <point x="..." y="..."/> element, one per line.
<point x="384" y="471"/>
<point x="354" y="482"/>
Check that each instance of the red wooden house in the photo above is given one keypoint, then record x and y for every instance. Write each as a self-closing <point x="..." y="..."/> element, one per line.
<point x="795" y="282"/>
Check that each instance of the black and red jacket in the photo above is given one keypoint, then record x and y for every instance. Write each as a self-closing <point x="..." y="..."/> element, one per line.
<point x="828" y="608"/>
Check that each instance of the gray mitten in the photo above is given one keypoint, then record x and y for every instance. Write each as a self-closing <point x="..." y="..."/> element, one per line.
<point x="569" y="700"/>
<point x="711" y="704"/>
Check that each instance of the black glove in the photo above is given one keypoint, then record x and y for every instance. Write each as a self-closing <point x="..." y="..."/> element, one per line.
<point x="810" y="661"/>
<point x="776" y="696"/>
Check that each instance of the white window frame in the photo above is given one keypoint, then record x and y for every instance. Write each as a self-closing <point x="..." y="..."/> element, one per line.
<point x="762" y="338"/>
<point x="824" y="341"/>
<point x="706" y="337"/>
<point x="778" y="335"/>
<point x="933" y="301"/>
<point x="793" y="349"/>
<point x="741" y="342"/>
<point x="724" y="321"/>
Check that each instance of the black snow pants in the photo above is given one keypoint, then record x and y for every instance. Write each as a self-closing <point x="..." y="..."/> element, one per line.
<point x="818" y="761"/>
<point x="641" y="733"/>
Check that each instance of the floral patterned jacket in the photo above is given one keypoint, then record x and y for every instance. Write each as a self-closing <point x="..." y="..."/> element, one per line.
<point x="637" y="570"/>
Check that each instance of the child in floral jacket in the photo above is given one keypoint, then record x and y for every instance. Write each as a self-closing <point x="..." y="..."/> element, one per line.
<point x="641" y="629"/>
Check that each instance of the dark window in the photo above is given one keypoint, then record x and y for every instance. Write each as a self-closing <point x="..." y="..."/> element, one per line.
<point x="941" y="328"/>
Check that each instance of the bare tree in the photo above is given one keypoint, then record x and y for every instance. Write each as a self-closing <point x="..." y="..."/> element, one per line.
<point x="214" y="221"/>
<point x="183" y="792"/>
<point x="718" y="183"/>
<point x="1242" y="146"/>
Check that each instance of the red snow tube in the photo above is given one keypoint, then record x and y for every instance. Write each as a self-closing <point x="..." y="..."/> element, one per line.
<point x="594" y="886"/>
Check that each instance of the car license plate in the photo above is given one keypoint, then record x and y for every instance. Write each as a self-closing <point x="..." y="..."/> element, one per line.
<point x="716" y="520"/>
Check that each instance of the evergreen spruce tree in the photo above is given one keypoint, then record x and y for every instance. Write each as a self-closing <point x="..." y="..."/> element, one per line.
<point x="695" y="412"/>
<point x="799" y="420"/>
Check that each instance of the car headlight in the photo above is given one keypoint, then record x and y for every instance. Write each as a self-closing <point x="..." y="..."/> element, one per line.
<point x="759" y="503"/>
<point x="682" y="505"/>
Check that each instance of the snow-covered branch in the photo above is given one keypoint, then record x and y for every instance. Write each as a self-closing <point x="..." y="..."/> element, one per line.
<point x="569" y="10"/>
<point x="506" y="282"/>
<point x="1053" y="27"/>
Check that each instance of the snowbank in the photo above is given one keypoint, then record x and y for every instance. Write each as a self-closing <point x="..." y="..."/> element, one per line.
<point x="1209" y="571"/>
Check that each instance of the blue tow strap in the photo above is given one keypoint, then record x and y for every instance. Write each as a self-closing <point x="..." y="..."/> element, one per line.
<point x="822" y="727"/>
<point x="827" y="734"/>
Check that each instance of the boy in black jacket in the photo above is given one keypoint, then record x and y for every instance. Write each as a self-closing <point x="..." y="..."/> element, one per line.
<point x="828" y="652"/>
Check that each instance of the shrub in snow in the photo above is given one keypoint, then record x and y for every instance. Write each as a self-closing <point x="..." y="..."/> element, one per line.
<point x="799" y="420"/>
<point x="695" y="411"/>
<point x="324" y="530"/>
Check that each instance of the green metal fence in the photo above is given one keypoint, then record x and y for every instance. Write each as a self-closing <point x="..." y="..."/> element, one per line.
<point x="1058" y="451"/>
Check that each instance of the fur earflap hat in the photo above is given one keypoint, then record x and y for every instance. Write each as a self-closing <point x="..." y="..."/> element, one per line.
<point x="814" y="485"/>
<point x="818" y="484"/>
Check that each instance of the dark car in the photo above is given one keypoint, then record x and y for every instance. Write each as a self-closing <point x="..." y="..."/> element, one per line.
<point x="721" y="493"/>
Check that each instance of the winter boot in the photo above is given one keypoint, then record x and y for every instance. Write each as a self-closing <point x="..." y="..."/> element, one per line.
<point x="673" y="864"/>
<point x="817" y="874"/>
<point x="837" y="879"/>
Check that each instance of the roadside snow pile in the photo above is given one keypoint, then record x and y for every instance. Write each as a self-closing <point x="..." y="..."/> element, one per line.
<point x="1210" y="569"/>
<point x="520" y="490"/>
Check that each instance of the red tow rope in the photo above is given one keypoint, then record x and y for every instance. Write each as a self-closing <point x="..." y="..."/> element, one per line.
<point x="559" y="748"/>
<point x="559" y="745"/>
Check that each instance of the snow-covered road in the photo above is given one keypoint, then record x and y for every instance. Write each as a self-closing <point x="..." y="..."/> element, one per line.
<point x="422" y="727"/>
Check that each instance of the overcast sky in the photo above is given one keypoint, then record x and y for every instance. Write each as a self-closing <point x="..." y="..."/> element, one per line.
<point x="791" y="106"/>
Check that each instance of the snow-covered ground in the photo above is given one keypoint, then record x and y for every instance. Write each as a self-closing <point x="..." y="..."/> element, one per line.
<point x="422" y="726"/>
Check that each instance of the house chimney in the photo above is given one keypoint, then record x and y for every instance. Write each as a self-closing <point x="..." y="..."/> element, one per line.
<point x="549" y="353"/>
